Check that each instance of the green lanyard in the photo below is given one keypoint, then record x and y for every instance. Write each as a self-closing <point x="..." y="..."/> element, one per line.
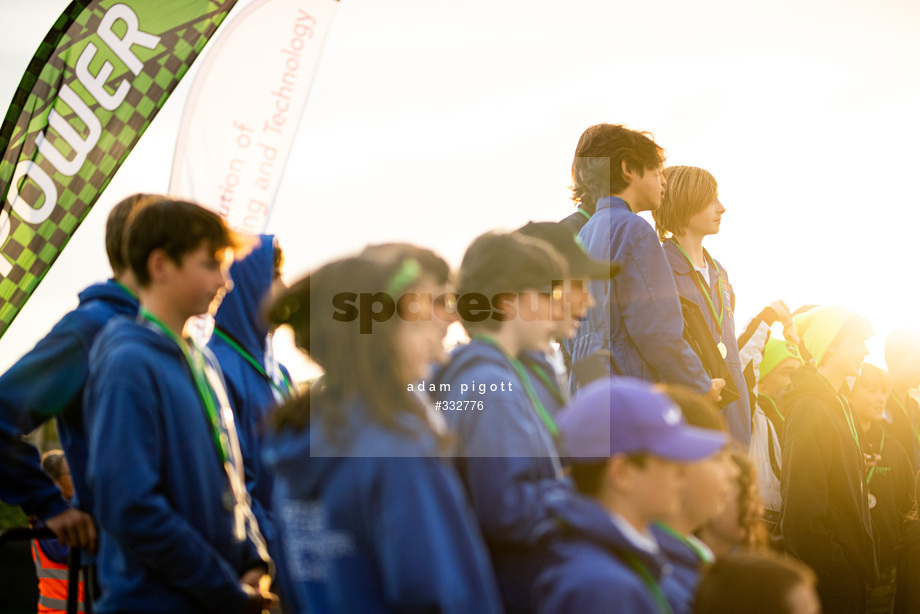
<point x="705" y="557"/>
<point x="633" y="561"/>
<point x="199" y="377"/>
<point x="584" y="213"/>
<point x="775" y="407"/>
<point x="851" y="422"/>
<point x="284" y="388"/>
<point x="910" y="419"/>
<point x="550" y="382"/>
<point x="225" y="440"/>
<point x="521" y="372"/>
<point x="703" y="289"/>
<point x="125" y="288"/>
<point x="847" y="413"/>
<point x="881" y="446"/>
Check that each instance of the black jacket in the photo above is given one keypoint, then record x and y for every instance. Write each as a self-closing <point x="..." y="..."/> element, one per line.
<point x="902" y="428"/>
<point x="907" y="595"/>
<point x="825" y="519"/>
<point x="891" y="483"/>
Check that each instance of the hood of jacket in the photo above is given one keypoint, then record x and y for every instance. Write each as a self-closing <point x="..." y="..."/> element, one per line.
<point x="473" y="354"/>
<point x="582" y="518"/>
<point x="112" y="293"/>
<point x="807" y="383"/>
<point x="305" y="459"/>
<point x="238" y="315"/>
<point x="122" y="331"/>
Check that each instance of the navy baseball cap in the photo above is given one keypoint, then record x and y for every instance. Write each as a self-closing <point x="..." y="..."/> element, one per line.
<point x="624" y="415"/>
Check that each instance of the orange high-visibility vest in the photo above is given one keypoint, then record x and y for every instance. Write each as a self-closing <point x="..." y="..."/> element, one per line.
<point x="52" y="583"/>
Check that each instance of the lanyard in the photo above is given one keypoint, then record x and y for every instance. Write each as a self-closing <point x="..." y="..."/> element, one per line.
<point x="705" y="557"/>
<point x="633" y="561"/>
<point x="521" y="372"/>
<point x="847" y="413"/>
<point x="584" y="213"/>
<point x="775" y="408"/>
<point x="211" y="390"/>
<point x="283" y="388"/>
<point x="205" y="391"/>
<point x="125" y="288"/>
<point x="881" y="446"/>
<point x="550" y="382"/>
<point x="704" y="288"/>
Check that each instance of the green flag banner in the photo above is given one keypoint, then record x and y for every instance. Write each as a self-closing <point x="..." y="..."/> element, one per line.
<point x="96" y="82"/>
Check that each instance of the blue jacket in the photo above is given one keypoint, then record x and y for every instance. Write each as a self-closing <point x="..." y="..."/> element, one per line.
<point x="251" y="393"/>
<point x="680" y="585"/>
<point x="738" y="413"/>
<point x="543" y="377"/>
<point x="509" y="464"/>
<point x="48" y="383"/>
<point x="590" y="571"/>
<point x="373" y="520"/>
<point x="167" y="541"/>
<point x="637" y="316"/>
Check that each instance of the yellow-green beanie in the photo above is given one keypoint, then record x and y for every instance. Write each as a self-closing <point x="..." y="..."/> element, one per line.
<point x="819" y="327"/>
<point x="775" y="352"/>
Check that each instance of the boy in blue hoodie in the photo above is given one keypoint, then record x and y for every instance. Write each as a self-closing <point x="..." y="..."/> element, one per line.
<point x="47" y="383"/>
<point x="256" y="382"/>
<point x="507" y="455"/>
<point x="627" y="442"/>
<point x="617" y="174"/>
<point x="548" y="367"/>
<point x="165" y="470"/>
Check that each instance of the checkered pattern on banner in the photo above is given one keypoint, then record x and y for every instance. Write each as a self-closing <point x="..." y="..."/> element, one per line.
<point x="183" y="33"/>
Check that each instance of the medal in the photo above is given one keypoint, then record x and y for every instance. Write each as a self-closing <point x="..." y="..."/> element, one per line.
<point x="228" y="500"/>
<point x="872" y="501"/>
<point x="722" y="349"/>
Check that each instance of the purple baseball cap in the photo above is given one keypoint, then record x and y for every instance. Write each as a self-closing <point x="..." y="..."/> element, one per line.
<point x="624" y="415"/>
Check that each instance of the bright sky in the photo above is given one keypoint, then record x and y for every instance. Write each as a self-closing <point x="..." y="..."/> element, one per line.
<point x="433" y="121"/>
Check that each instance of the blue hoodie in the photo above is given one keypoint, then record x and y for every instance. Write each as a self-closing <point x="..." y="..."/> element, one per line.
<point x="680" y="585"/>
<point x="48" y="383"/>
<point x="590" y="570"/>
<point x="167" y="541"/>
<point x="251" y="392"/>
<point x="543" y="377"/>
<point x="509" y="464"/>
<point x="373" y="520"/>
<point x="637" y="316"/>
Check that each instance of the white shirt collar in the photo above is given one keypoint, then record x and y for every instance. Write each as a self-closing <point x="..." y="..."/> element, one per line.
<point x="642" y="541"/>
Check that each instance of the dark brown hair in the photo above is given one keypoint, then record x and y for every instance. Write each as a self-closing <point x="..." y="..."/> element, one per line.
<point x="178" y="228"/>
<point x="589" y="477"/>
<point x="697" y="409"/>
<point x="115" y="227"/>
<point x="597" y="170"/>
<point x="753" y="583"/>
